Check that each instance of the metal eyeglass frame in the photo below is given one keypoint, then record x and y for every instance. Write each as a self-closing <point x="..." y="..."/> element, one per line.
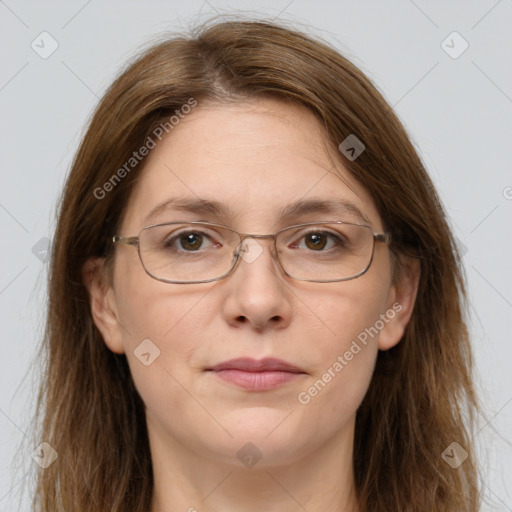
<point x="134" y="241"/>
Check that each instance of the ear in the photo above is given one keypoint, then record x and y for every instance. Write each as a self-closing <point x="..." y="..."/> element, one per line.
<point x="103" y="304"/>
<point x="402" y="297"/>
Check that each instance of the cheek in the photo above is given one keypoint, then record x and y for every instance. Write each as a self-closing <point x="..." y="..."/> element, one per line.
<point x="151" y="309"/>
<point x="329" y="403"/>
<point x="345" y="351"/>
<point x="164" y="379"/>
<point x="166" y="321"/>
<point x="329" y="399"/>
<point x="349" y="312"/>
<point x="161" y="327"/>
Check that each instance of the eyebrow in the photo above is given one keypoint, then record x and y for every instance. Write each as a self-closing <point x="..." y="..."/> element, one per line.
<point x="335" y="207"/>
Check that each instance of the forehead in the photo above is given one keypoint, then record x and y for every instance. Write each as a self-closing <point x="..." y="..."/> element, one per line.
<point x="252" y="165"/>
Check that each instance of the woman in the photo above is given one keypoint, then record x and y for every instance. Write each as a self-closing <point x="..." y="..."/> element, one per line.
<point x="255" y="302"/>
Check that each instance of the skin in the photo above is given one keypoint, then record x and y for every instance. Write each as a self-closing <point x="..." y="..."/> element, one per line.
<point x="255" y="156"/>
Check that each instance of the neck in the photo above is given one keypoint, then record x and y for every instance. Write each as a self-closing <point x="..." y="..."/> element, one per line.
<point x="193" y="480"/>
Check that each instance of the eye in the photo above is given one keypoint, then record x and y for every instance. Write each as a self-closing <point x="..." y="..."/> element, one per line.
<point x="319" y="240"/>
<point x="188" y="241"/>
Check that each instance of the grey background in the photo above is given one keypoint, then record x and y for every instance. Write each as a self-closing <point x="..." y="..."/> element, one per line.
<point x="457" y="110"/>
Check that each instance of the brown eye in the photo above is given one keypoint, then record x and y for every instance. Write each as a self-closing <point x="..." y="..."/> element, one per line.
<point x="320" y="241"/>
<point x="187" y="241"/>
<point x="316" y="241"/>
<point x="191" y="241"/>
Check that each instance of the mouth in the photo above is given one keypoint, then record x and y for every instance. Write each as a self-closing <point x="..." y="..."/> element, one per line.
<point x="254" y="375"/>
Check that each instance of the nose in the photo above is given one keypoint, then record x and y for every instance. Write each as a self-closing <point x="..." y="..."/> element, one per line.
<point x="257" y="291"/>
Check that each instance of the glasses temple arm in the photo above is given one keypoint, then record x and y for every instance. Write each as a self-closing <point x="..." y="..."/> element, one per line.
<point x="383" y="237"/>
<point x="126" y="240"/>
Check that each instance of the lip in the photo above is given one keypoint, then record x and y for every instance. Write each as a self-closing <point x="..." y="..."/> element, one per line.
<point x="246" y="364"/>
<point x="256" y="375"/>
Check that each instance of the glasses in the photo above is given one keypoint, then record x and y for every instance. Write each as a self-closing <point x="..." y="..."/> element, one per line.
<point x="201" y="252"/>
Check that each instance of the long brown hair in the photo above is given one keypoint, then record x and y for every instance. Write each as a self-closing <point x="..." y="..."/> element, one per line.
<point x="421" y="398"/>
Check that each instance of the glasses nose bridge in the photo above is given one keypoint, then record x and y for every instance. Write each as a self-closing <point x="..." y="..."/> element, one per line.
<point x="244" y="236"/>
<point x="250" y="235"/>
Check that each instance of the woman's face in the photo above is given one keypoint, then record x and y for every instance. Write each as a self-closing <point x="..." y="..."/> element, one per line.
<point x="255" y="158"/>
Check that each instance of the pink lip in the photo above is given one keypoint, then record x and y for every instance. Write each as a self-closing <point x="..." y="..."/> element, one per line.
<point x="256" y="375"/>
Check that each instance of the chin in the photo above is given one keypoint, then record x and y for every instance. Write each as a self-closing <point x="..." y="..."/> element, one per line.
<point x="260" y="438"/>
